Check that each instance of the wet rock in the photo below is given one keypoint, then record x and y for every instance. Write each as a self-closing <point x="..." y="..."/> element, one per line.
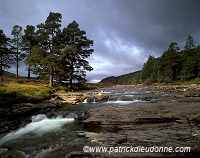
<point x="14" y="154"/>
<point x="71" y="98"/>
<point x="179" y="96"/>
<point x="155" y="120"/>
<point x="97" y="98"/>
<point x="147" y="98"/>
<point x="81" y="98"/>
<point x="77" y="154"/>
<point x="92" y="99"/>
<point x="191" y="92"/>
<point x="72" y="115"/>
<point x="102" y="98"/>
<point x="155" y="124"/>
<point x="196" y="119"/>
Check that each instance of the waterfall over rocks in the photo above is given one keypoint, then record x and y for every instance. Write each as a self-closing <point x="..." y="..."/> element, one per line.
<point x="40" y="125"/>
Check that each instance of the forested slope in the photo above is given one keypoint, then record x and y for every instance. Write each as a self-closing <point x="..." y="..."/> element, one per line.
<point x="127" y="79"/>
<point x="173" y="65"/>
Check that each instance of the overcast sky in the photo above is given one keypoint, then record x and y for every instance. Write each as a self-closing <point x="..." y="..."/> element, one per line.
<point x="125" y="32"/>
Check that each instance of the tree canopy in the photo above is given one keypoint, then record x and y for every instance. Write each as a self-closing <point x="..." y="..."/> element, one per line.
<point x="60" y="53"/>
<point x="29" y="43"/>
<point x="17" y="46"/>
<point x="5" y="55"/>
<point x="50" y="51"/>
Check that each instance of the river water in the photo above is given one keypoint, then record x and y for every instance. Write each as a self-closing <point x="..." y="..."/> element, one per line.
<point x="54" y="134"/>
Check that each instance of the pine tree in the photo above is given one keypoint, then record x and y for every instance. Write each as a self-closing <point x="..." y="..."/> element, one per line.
<point x="189" y="64"/>
<point x="170" y="62"/>
<point x="5" y="54"/>
<point x="77" y="49"/>
<point x="173" y="47"/>
<point x="189" y="60"/>
<point x="44" y="57"/>
<point x="29" y="43"/>
<point x="149" y="70"/>
<point x="60" y="54"/>
<point x="190" y="43"/>
<point x="16" y="46"/>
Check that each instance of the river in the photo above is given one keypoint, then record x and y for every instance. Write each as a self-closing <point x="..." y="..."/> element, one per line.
<point x="54" y="134"/>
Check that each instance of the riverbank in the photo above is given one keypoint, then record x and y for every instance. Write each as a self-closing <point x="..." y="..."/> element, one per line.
<point x="20" y="99"/>
<point x="171" y="122"/>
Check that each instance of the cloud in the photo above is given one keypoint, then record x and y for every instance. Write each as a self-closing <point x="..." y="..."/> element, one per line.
<point x="125" y="32"/>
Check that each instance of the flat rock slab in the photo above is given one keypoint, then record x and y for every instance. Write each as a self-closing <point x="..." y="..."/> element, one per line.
<point x="155" y="124"/>
<point x="148" y="113"/>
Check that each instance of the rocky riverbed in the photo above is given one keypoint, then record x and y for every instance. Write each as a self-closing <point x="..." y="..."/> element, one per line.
<point x="156" y="116"/>
<point x="171" y="122"/>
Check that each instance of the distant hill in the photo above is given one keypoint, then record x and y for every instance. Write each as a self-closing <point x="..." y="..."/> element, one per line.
<point x="127" y="79"/>
<point x="8" y="76"/>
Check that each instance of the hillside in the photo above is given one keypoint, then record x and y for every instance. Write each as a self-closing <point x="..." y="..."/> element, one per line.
<point x="127" y="79"/>
<point x="174" y="65"/>
<point x="8" y="76"/>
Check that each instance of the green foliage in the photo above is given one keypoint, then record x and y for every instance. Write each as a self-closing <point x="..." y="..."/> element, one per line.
<point x="76" y="50"/>
<point x="190" y="43"/>
<point x="60" y="54"/>
<point x="5" y="54"/>
<point x="16" y="47"/>
<point x="49" y="51"/>
<point x="46" y="52"/>
<point x="29" y="43"/>
<point x="190" y="64"/>
<point x="173" y="65"/>
<point x="148" y="70"/>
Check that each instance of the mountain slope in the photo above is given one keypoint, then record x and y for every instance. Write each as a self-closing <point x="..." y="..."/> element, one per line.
<point x="127" y="79"/>
<point x="8" y="76"/>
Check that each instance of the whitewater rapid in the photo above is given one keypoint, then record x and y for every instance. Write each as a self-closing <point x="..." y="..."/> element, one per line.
<point x="40" y="125"/>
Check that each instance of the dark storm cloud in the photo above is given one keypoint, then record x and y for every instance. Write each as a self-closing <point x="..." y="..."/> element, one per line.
<point x="125" y="32"/>
<point x="153" y="23"/>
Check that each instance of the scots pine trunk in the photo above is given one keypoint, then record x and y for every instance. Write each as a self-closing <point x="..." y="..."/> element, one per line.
<point x="1" y="69"/>
<point x="17" y="45"/>
<point x="29" y="72"/>
<point x="71" y="76"/>
<point x="51" y="78"/>
<point x="70" y="81"/>
<point x="29" y="66"/>
<point x="17" y="66"/>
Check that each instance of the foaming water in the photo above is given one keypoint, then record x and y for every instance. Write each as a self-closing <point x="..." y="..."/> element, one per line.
<point x="121" y="102"/>
<point x="85" y="101"/>
<point x="39" y="117"/>
<point x="38" y="128"/>
<point x="94" y="101"/>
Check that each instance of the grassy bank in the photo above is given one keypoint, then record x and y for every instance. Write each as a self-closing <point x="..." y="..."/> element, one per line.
<point x="12" y="93"/>
<point x="23" y="90"/>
